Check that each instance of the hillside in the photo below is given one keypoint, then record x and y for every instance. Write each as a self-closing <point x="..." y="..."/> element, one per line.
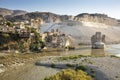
<point x="81" y="32"/>
<point x="99" y="18"/>
<point x="51" y="17"/>
<point x="46" y="16"/>
<point x="8" y="12"/>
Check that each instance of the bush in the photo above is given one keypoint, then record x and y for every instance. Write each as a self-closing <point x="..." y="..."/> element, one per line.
<point x="5" y="35"/>
<point x="69" y="65"/>
<point x="69" y="74"/>
<point x="70" y="47"/>
<point x="81" y="67"/>
<point x="93" y="75"/>
<point x="92" y="71"/>
<point x="53" y="65"/>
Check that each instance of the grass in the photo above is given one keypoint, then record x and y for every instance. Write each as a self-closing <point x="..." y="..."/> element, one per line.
<point x="17" y="57"/>
<point x="71" y="57"/>
<point x="113" y="56"/>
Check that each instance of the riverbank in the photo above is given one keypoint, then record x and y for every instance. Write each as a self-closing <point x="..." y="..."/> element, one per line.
<point x="100" y="68"/>
<point x="23" y="66"/>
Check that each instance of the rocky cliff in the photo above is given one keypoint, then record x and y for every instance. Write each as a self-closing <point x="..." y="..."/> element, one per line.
<point x="51" y="17"/>
<point x="46" y="16"/>
<point x="19" y="15"/>
<point x="98" y="18"/>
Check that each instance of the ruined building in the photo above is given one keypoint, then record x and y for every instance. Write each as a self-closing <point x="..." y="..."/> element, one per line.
<point x="98" y="41"/>
<point x="55" y="39"/>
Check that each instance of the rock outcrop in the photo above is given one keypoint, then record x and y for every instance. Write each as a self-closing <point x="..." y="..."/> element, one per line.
<point x="46" y="16"/>
<point x="98" y="18"/>
<point x="19" y="15"/>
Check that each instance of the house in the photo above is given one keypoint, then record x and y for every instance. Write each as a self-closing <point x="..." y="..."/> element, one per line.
<point x="55" y="39"/>
<point x="6" y="29"/>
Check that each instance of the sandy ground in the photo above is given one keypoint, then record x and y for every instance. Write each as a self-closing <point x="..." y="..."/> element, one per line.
<point x="105" y="68"/>
<point x="31" y="71"/>
<point x="28" y="72"/>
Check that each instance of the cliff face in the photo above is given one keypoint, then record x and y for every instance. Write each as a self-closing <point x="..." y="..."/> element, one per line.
<point x="51" y="17"/>
<point x="98" y="18"/>
<point x="19" y="15"/>
<point x="46" y="16"/>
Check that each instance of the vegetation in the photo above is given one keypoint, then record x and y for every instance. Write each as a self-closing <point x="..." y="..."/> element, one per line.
<point x="37" y="43"/>
<point x="53" y="65"/>
<point x="9" y="23"/>
<point x="114" y="56"/>
<point x="71" y="57"/>
<point x="81" y="67"/>
<point x="70" y="47"/>
<point x="8" y="60"/>
<point x="69" y="65"/>
<point x="69" y="74"/>
<point x="21" y="43"/>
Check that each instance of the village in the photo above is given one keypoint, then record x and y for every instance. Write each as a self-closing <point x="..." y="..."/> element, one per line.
<point x="28" y="33"/>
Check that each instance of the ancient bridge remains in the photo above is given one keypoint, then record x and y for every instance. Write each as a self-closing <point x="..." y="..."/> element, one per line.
<point x="98" y="41"/>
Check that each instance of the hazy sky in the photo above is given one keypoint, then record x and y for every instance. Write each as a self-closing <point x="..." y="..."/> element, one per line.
<point x="70" y="7"/>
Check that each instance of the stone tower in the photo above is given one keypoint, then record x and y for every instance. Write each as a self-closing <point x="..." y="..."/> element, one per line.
<point x="98" y="41"/>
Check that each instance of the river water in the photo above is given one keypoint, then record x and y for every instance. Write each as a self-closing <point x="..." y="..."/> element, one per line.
<point x="113" y="49"/>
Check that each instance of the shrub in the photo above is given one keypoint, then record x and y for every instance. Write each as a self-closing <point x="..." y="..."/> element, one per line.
<point x="69" y="65"/>
<point x="53" y="65"/>
<point x="93" y="75"/>
<point x="92" y="71"/>
<point x="69" y="74"/>
<point x="5" y="35"/>
<point x="70" y="47"/>
<point x="112" y="56"/>
<point x="81" y="67"/>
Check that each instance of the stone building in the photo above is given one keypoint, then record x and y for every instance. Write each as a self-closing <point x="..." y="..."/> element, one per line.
<point x="36" y="22"/>
<point x="98" y="41"/>
<point x="55" y="39"/>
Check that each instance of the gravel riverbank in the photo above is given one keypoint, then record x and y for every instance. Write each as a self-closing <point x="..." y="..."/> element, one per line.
<point x="103" y="68"/>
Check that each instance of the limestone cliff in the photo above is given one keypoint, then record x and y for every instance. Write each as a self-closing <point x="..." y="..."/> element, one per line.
<point x="98" y="18"/>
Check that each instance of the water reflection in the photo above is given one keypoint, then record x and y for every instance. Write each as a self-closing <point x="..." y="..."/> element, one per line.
<point x="80" y="51"/>
<point x="98" y="52"/>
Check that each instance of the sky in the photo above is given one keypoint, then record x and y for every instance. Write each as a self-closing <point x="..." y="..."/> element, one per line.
<point x="66" y="7"/>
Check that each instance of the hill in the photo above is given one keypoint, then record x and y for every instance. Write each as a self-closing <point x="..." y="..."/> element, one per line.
<point x="98" y="18"/>
<point x="9" y="12"/>
<point x="48" y="17"/>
